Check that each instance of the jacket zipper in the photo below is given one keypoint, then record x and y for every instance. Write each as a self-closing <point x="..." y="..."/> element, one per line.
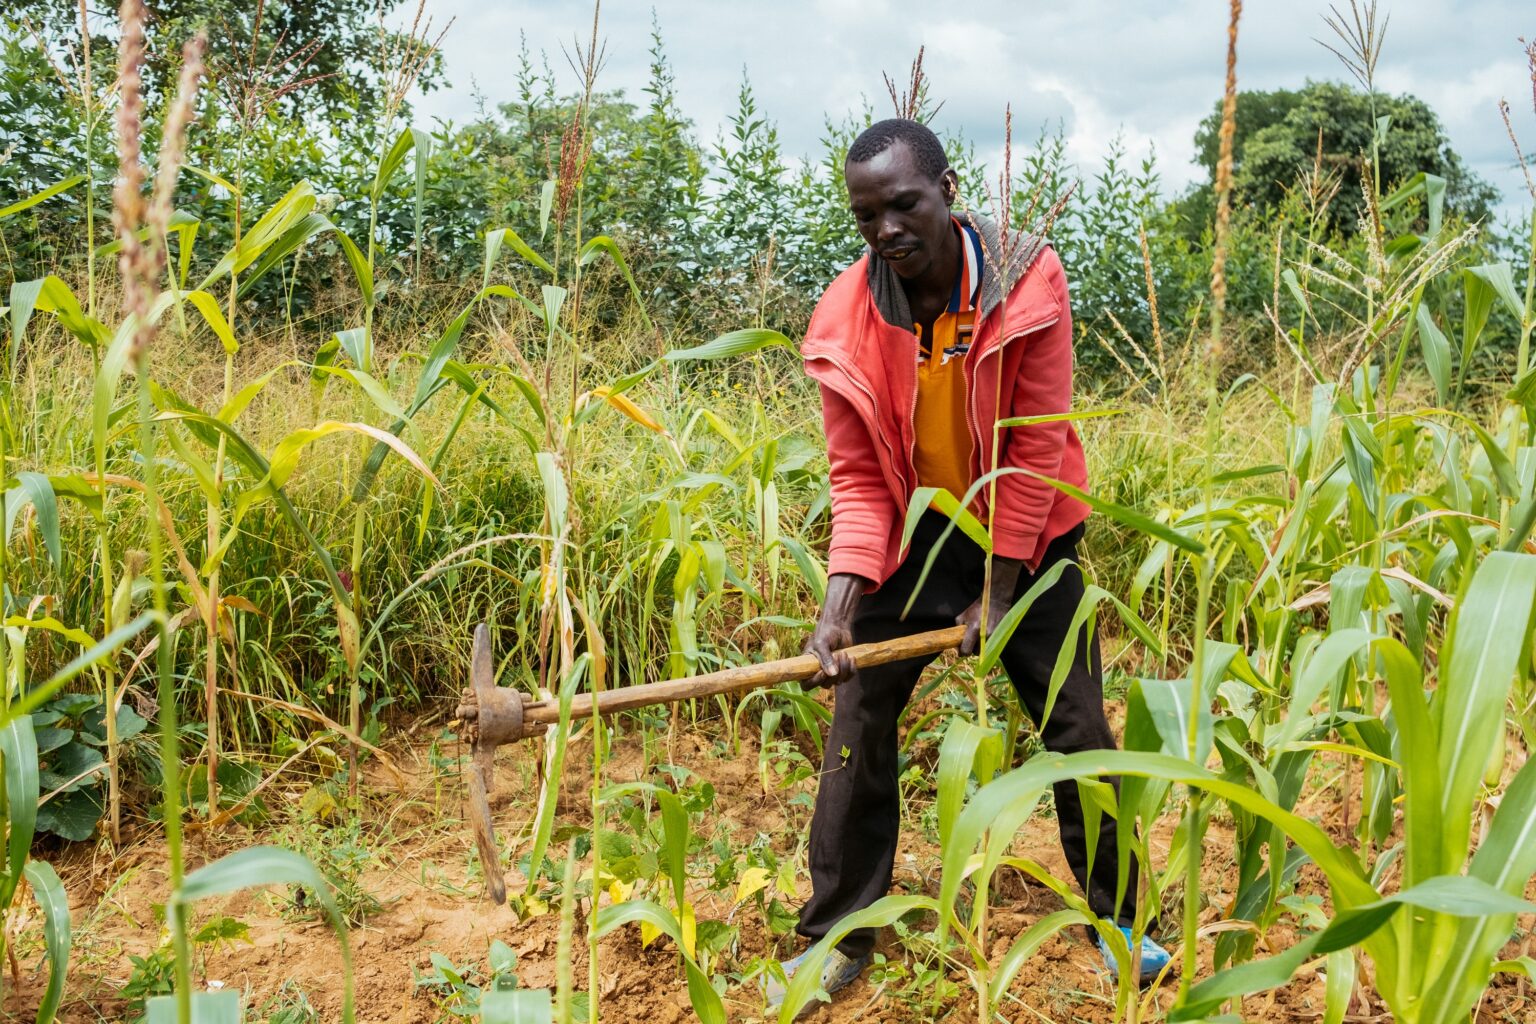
<point x="970" y="406"/>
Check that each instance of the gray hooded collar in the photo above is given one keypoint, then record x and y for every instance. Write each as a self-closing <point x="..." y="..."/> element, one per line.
<point x="891" y="298"/>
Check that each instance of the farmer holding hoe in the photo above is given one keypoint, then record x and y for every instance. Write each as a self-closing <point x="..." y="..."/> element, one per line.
<point x="919" y="349"/>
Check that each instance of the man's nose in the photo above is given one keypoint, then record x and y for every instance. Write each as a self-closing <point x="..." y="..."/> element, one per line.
<point x="889" y="229"/>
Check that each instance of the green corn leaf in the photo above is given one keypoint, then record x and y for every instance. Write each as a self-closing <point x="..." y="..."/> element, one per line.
<point x="1478" y="664"/>
<point x="1058" y="417"/>
<point x="1326" y="664"/>
<point x="56" y="188"/>
<point x="226" y="1007"/>
<point x="103" y="648"/>
<point x="967" y="749"/>
<point x="1027" y="943"/>
<point x="674" y="824"/>
<point x="546" y="203"/>
<point x="1504" y="862"/>
<point x="554" y="299"/>
<point x="554" y="765"/>
<point x="603" y="244"/>
<point x="1168" y="704"/>
<point x="1437" y="352"/>
<point x="498" y="237"/>
<point x="361" y="271"/>
<point x="706" y="1001"/>
<point x="213" y="316"/>
<point x="51" y="295"/>
<point x="54" y="903"/>
<point x="519" y="1006"/>
<point x="36" y="490"/>
<point x="377" y="393"/>
<point x="285" y="457"/>
<point x="1500" y="278"/>
<point x="806" y="981"/>
<point x="390" y="162"/>
<point x="245" y="396"/>
<point x="18" y="745"/>
<point x="1125" y="516"/>
<point x="273" y="227"/>
<point x="728" y="346"/>
<point x="997" y="641"/>
<point x="260" y="866"/>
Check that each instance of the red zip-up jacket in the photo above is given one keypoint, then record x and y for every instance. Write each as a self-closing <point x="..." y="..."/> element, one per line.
<point x="867" y="371"/>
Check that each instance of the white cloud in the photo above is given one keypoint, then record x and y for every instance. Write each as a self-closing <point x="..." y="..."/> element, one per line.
<point x="1148" y="72"/>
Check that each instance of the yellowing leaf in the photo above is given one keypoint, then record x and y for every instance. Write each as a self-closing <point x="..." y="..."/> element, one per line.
<point x="317" y="804"/>
<point x="690" y="925"/>
<point x="648" y="934"/>
<point x="239" y="604"/>
<point x="753" y="881"/>
<point x="629" y="408"/>
<point x="347" y="629"/>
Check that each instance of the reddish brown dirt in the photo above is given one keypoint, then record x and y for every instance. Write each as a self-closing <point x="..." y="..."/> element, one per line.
<point x="422" y="878"/>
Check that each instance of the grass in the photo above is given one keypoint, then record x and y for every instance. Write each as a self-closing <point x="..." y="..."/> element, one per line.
<point x="1309" y="570"/>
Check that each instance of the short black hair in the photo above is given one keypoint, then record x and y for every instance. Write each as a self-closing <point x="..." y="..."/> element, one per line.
<point x="925" y="146"/>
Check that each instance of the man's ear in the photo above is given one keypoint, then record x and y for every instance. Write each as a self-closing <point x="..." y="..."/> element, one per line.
<point x="949" y="182"/>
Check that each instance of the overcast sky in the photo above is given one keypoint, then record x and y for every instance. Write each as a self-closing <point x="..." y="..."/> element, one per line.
<point x="1148" y="70"/>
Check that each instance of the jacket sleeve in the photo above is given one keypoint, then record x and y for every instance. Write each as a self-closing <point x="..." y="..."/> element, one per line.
<point x="1042" y="387"/>
<point x="862" y="509"/>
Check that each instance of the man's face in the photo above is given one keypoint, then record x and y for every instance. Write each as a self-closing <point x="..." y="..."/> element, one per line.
<point x="901" y="212"/>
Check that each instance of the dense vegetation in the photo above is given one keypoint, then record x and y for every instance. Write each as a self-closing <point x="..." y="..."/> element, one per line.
<point x="283" y="419"/>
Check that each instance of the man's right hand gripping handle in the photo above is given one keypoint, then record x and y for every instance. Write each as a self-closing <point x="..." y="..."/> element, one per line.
<point x="834" y="629"/>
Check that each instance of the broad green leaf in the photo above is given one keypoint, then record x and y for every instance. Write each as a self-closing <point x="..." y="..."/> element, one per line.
<point x="996" y="642"/>
<point x="260" y="866"/>
<point x="1500" y="278"/>
<point x="546" y="203"/>
<point x="54" y="903"/>
<point x="1478" y="665"/>
<point x="377" y="393"/>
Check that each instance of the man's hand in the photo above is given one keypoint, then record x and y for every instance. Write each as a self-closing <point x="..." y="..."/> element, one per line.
<point x="834" y="629"/>
<point x="997" y="599"/>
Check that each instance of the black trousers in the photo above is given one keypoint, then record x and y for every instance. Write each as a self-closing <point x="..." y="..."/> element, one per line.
<point x="858" y="809"/>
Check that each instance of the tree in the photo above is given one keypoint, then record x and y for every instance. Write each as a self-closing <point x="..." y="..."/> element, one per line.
<point x="1279" y="134"/>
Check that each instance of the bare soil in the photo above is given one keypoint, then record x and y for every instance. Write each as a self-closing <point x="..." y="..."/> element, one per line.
<point x="424" y="877"/>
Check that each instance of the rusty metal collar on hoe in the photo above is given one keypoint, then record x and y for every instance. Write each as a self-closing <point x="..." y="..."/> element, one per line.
<point x="493" y="715"/>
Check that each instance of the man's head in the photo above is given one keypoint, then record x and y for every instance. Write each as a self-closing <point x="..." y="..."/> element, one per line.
<point x="900" y="189"/>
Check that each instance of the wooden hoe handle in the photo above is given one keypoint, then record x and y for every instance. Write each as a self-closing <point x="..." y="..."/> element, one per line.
<point x="493" y="715"/>
<point x="745" y="677"/>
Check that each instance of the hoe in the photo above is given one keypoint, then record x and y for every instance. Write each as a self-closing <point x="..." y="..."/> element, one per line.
<point x="493" y="715"/>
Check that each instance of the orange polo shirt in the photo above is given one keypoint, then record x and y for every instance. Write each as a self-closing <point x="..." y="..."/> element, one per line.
<point x="942" y="454"/>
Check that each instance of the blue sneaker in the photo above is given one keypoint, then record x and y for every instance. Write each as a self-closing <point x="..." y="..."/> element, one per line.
<point x="1153" y="956"/>
<point x="837" y="972"/>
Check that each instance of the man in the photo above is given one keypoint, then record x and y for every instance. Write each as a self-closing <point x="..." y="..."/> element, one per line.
<point x="919" y="349"/>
